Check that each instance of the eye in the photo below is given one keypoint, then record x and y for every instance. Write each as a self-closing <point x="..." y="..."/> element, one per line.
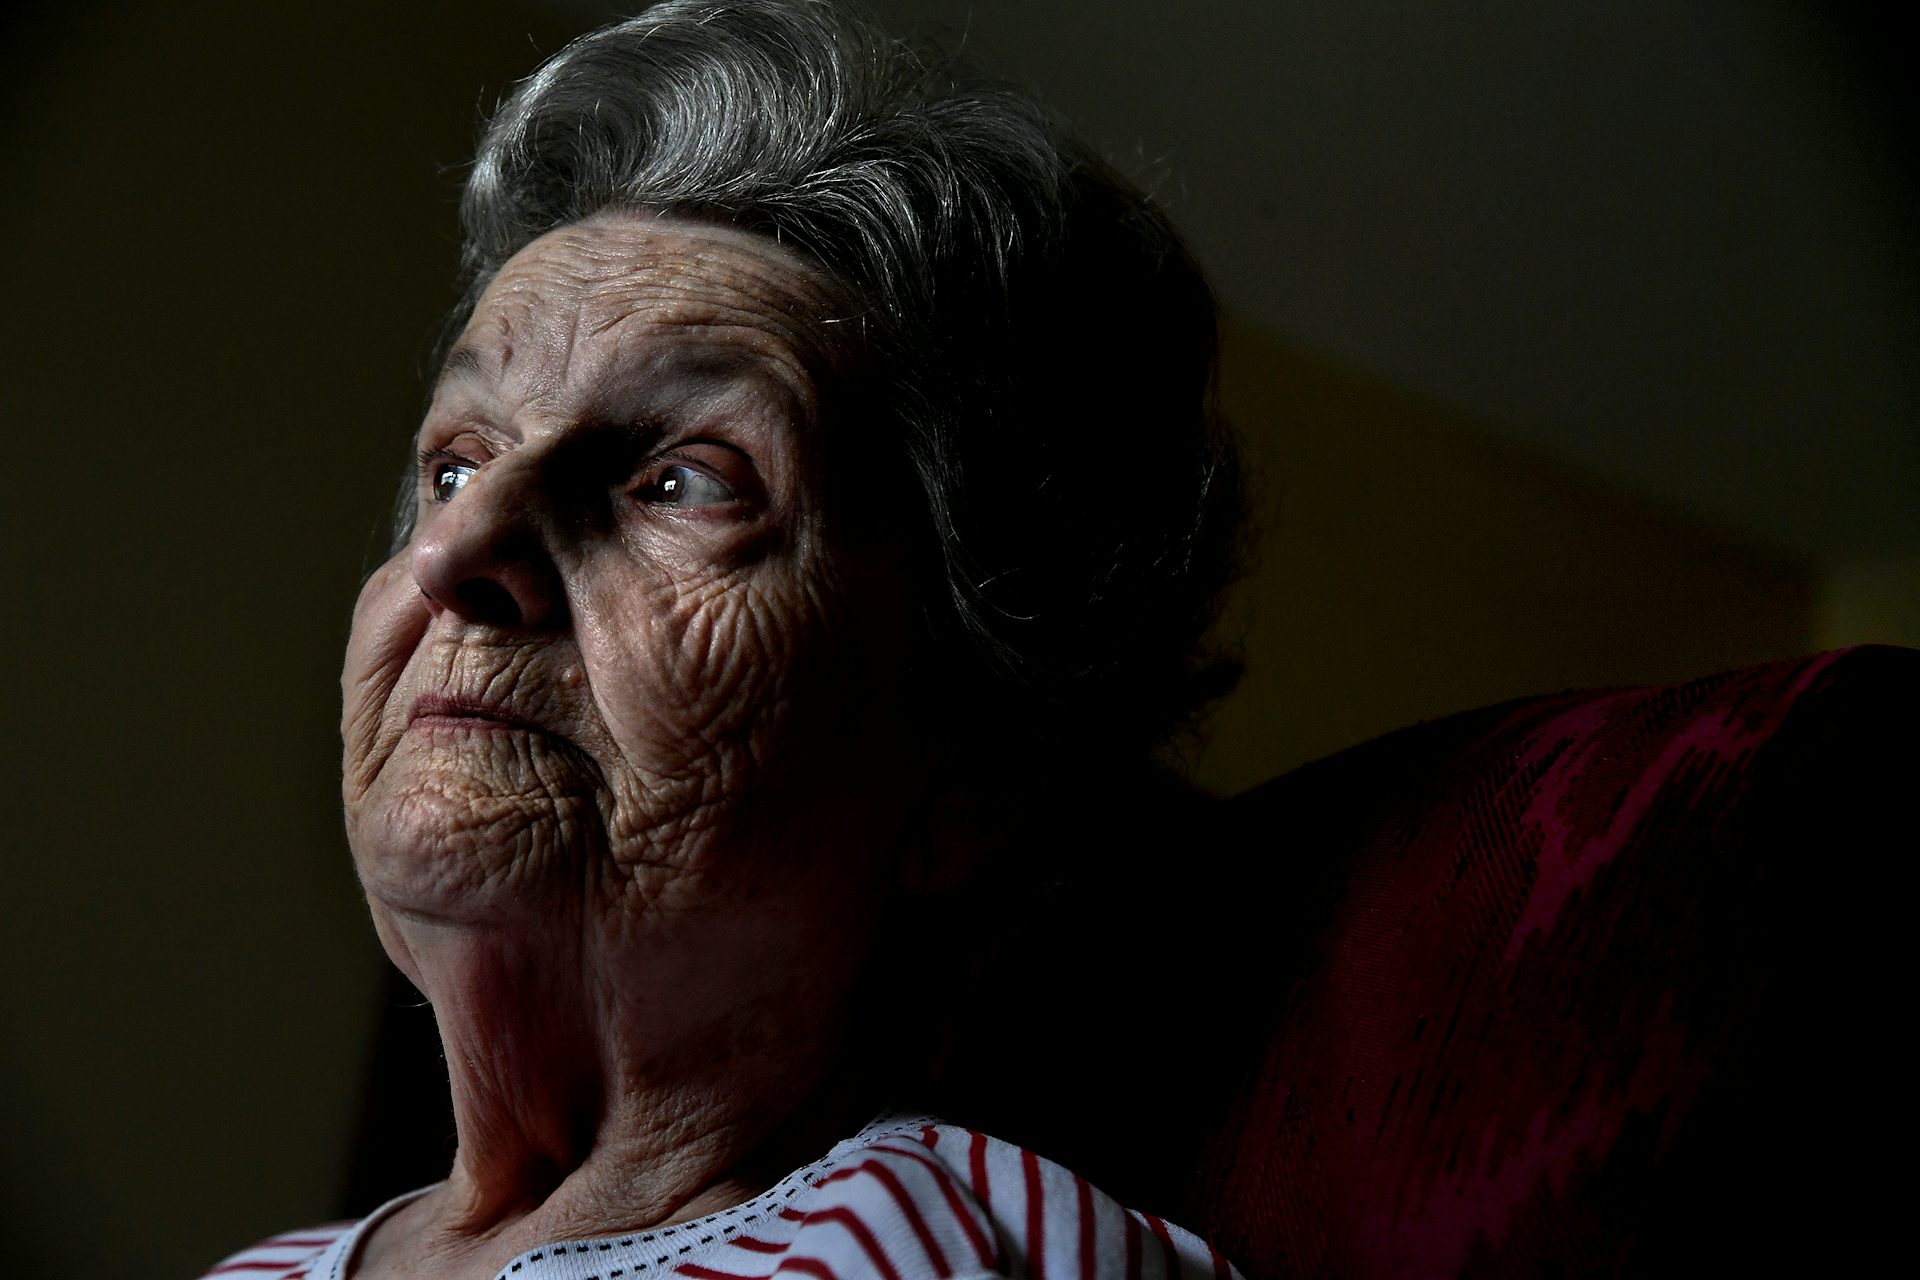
<point x="678" y="485"/>
<point x="449" y="478"/>
<point x="447" y="473"/>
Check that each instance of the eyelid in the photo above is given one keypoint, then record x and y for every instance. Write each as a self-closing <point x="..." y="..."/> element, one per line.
<point x="429" y="456"/>
<point x="739" y="477"/>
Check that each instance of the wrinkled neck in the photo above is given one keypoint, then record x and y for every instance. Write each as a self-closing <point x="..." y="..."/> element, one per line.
<point x="595" y="1091"/>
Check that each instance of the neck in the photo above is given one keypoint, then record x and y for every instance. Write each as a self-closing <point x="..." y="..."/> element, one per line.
<point x="580" y="1111"/>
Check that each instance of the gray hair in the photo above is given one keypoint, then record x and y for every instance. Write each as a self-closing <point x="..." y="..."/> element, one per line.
<point x="1037" y="346"/>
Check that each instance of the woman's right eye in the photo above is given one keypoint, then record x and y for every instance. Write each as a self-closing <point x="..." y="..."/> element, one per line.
<point x="446" y="476"/>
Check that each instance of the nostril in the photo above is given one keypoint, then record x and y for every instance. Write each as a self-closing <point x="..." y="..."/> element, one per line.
<point x="484" y="600"/>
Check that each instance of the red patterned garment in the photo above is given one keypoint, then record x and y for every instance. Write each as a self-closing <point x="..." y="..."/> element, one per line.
<point x="905" y="1198"/>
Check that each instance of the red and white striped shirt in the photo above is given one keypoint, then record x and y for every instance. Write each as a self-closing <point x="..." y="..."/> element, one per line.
<point x="904" y="1198"/>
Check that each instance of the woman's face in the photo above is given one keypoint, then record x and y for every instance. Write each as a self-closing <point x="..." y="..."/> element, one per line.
<point x="630" y="668"/>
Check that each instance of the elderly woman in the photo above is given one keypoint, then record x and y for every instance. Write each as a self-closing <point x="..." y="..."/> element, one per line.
<point x="820" y="494"/>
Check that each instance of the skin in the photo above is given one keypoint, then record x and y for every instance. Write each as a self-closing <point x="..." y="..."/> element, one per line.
<point x="625" y="778"/>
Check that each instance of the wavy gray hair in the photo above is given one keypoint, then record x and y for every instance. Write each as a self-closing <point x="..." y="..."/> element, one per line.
<point x="1037" y="346"/>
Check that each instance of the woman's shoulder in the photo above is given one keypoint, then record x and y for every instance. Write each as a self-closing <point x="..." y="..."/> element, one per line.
<point x="921" y="1197"/>
<point x="317" y="1253"/>
<point x="283" y="1257"/>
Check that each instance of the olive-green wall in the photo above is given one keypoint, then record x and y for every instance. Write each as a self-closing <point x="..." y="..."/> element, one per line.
<point x="228" y="234"/>
<point x="1412" y="566"/>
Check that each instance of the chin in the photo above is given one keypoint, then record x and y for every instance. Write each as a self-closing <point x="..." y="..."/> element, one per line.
<point x="455" y="847"/>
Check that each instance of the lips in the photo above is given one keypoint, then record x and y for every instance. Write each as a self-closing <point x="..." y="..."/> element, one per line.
<point x="437" y="710"/>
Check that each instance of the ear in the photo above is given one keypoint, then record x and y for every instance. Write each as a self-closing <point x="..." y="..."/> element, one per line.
<point x="951" y="837"/>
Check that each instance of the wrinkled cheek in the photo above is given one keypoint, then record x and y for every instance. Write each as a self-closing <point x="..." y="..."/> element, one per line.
<point x="698" y="675"/>
<point x="741" y="652"/>
<point x="698" y="706"/>
<point x="389" y="621"/>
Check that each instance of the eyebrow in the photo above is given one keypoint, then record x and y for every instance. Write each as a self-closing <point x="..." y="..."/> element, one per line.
<point x="462" y="362"/>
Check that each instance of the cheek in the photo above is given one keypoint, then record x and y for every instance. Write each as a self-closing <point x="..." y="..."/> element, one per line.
<point x="389" y="619"/>
<point x="744" y="707"/>
<point x="693" y="674"/>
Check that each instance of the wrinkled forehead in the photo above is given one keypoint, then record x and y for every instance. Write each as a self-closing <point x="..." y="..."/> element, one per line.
<point x="595" y="298"/>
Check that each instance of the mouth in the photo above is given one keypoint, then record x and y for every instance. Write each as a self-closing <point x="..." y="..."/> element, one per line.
<point x="439" y="711"/>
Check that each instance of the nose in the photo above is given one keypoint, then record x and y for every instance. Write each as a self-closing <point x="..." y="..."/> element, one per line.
<point x="485" y="557"/>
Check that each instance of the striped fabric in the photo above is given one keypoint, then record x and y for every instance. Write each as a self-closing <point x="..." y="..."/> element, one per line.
<point x="905" y="1198"/>
<point x="286" y="1257"/>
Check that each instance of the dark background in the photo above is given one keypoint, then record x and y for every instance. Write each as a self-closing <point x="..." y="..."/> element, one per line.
<point x="1576" y="348"/>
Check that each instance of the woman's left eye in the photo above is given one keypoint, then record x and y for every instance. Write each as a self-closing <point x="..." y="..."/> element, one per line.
<point x="677" y="485"/>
